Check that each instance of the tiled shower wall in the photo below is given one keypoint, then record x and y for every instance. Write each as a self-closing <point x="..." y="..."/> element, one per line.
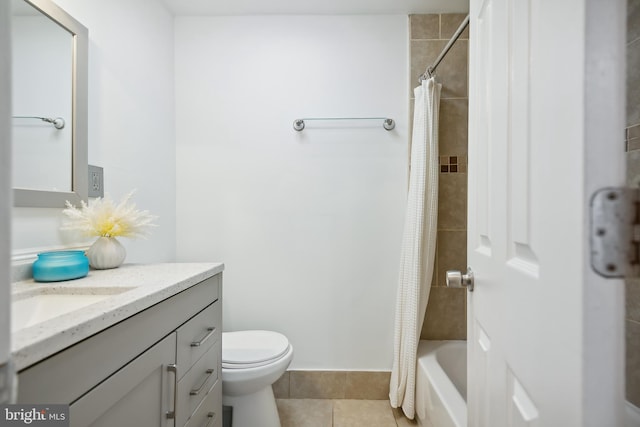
<point x="632" y="143"/>
<point x="446" y="311"/>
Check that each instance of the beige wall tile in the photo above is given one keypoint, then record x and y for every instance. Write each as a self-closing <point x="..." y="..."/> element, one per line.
<point x="633" y="362"/>
<point x="446" y="317"/>
<point x="281" y="387"/>
<point x="633" y="168"/>
<point x="305" y="412"/>
<point x="317" y="384"/>
<point x="434" y="277"/>
<point x="633" y="20"/>
<point x="452" y="201"/>
<point x="425" y="26"/>
<point x="449" y="23"/>
<point x="452" y="71"/>
<point x="632" y="299"/>
<point x="452" y="253"/>
<point x="453" y="130"/>
<point x="423" y="53"/>
<point x="367" y="385"/>
<point x="362" y="413"/>
<point x="633" y="83"/>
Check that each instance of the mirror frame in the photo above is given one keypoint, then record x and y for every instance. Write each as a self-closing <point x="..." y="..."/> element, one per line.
<point x="79" y="121"/>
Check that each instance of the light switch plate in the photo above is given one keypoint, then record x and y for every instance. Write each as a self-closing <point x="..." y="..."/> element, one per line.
<point x="96" y="181"/>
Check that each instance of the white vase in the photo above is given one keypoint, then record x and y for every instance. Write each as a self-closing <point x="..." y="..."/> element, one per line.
<point x="105" y="253"/>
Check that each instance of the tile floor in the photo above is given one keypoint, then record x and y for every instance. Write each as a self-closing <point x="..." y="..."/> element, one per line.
<point x="339" y="413"/>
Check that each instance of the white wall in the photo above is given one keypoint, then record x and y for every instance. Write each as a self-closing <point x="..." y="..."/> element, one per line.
<point x="308" y="224"/>
<point x="131" y="121"/>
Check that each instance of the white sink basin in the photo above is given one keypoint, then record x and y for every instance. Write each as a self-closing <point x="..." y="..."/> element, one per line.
<point x="39" y="305"/>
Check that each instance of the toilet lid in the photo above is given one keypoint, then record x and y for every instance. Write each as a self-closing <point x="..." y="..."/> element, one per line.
<point x="252" y="348"/>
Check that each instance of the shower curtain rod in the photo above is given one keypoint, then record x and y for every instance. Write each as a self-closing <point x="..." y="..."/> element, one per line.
<point x="430" y="70"/>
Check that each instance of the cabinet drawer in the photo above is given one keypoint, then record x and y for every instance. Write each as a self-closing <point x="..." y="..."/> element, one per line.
<point x="197" y="336"/>
<point x="196" y="383"/>
<point x="209" y="413"/>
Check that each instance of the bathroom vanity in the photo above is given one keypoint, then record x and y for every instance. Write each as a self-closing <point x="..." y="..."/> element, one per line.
<point x="147" y="354"/>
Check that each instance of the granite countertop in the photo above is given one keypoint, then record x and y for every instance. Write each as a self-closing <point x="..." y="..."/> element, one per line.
<point x="128" y="289"/>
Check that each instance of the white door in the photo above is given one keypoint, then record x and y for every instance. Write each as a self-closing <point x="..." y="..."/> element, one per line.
<point x="5" y="195"/>
<point x="546" y="118"/>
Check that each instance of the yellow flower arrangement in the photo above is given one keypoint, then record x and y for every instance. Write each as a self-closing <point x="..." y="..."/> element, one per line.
<point x="104" y="218"/>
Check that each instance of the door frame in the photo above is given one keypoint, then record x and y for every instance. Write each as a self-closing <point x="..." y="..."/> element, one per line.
<point x="605" y="112"/>
<point x="6" y="198"/>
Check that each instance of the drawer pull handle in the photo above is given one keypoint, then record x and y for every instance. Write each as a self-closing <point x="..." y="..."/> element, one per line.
<point x="211" y="418"/>
<point x="197" y="391"/>
<point x="173" y="368"/>
<point x="210" y="332"/>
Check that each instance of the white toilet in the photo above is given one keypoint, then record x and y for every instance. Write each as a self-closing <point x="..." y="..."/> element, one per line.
<point x="251" y="362"/>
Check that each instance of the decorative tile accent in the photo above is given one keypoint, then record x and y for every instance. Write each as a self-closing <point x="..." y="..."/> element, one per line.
<point x="452" y="164"/>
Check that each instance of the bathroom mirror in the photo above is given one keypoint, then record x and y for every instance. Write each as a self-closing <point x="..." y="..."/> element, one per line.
<point x="49" y="105"/>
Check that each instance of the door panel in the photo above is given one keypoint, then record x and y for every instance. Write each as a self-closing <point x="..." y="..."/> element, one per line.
<point x="531" y="320"/>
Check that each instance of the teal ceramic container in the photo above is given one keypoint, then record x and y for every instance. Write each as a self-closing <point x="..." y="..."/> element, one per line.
<point x="60" y="265"/>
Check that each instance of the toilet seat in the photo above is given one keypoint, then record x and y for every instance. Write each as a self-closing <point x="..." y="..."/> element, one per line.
<point x="251" y="349"/>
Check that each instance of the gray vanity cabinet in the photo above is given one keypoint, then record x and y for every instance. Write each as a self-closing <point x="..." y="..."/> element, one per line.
<point x="137" y="395"/>
<point x="160" y="367"/>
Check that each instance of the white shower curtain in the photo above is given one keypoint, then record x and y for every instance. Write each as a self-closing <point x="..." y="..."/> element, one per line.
<point x="418" y="246"/>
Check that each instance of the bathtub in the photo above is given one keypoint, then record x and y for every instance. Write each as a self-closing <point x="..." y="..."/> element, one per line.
<point x="441" y="384"/>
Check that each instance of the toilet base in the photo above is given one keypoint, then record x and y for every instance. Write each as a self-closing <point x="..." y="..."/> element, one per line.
<point x="256" y="409"/>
